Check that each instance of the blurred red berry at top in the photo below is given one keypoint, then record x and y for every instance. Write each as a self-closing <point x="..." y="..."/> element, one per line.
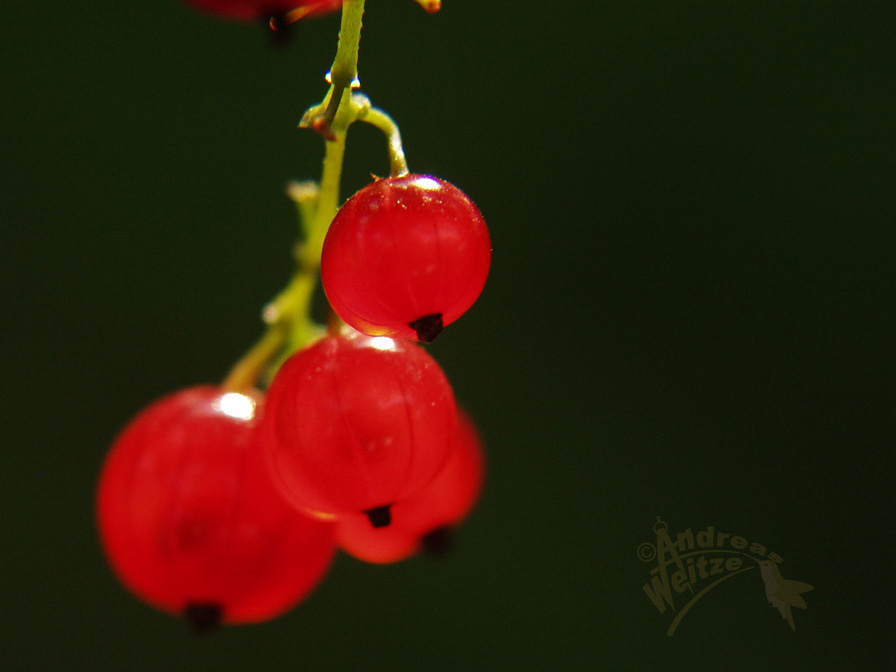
<point x="250" y="10"/>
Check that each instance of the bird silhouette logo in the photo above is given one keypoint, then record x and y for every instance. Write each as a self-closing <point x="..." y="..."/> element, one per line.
<point x="782" y="593"/>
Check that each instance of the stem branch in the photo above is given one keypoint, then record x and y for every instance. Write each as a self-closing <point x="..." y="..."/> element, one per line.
<point x="288" y="316"/>
<point x="398" y="164"/>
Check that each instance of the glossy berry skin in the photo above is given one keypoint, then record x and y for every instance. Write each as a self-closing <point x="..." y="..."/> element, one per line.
<point x="249" y="10"/>
<point x="428" y="514"/>
<point x="405" y="256"/>
<point x="190" y="521"/>
<point x="355" y="424"/>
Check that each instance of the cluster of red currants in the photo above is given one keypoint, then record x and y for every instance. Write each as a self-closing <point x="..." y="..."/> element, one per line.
<point x="227" y="506"/>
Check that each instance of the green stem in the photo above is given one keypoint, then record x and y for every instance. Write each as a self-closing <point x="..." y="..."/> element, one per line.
<point x="244" y="375"/>
<point x="344" y="71"/>
<point x="398" y="164"/>
<point x="343" y="74"/>
<point x="327" y="200"/>
<point x="288" y="316"/>
<point x="304" y="195"/>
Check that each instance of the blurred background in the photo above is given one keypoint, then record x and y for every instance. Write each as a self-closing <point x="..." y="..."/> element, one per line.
<point x="689" y="315"/>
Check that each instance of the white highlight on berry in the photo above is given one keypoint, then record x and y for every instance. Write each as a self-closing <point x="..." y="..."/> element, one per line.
<point x="427" y="183"/>
<point x="236" y="405"/>
<point x="383" y="343"/>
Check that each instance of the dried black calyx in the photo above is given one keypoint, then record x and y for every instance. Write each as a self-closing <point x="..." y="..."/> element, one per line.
<point x="428" y="327"/>
<point x="380" y="516"/>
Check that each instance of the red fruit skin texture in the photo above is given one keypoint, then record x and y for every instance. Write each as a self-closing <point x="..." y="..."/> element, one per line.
<point x="444" y="502"/>
<point x="187" y="514"/>
<point x="250" y="10"/>
<point x="353" y="423"/>
<point x="403" y="248"/>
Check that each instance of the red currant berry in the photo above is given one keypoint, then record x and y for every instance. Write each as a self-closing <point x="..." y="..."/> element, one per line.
<point x="354" y="423"/>
<point x="249" y="10"/>
<point x="405" y="256"/>
<point x="190" y="521"/>
<point x="427" y="516"/>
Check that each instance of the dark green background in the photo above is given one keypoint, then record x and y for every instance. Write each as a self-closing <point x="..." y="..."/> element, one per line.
<point x="690" y="315"/>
